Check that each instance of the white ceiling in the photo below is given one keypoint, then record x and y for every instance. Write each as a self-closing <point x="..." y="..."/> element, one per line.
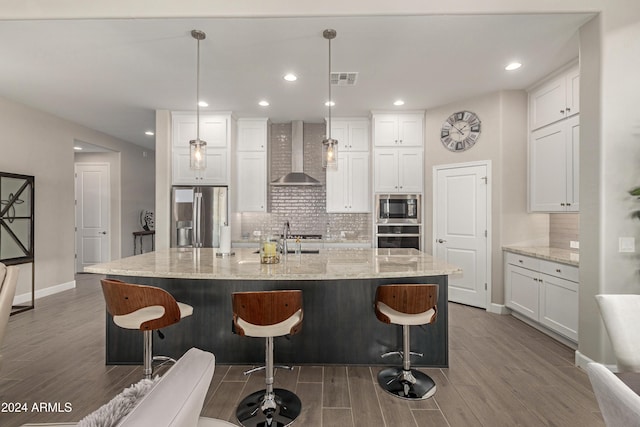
<point x="111" y="75"/>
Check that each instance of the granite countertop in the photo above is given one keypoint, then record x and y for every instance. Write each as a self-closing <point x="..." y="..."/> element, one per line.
<point x="245" y="265"/>
<point x="563" y="256"/>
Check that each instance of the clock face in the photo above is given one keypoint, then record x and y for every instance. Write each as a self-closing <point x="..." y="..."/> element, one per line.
<point x="461" y="131"/>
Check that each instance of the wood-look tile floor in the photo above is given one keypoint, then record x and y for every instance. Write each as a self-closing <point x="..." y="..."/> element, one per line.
<point x="502" y="373"/>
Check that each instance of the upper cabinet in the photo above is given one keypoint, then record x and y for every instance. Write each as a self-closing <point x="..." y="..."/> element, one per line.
<point x="554" y="144"/>
<point x="556" y="99"/>
<point x="348" y="188"/>
<point x="398" y="152"/>
<point x="554" y="171"/>
<point x="252" y="165"/>
<point x="215" y="131"/>
<point x="393" y="130"/>
<point x="352" y="134"/>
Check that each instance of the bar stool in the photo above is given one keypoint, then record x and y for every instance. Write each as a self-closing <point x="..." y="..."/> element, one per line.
<point x="146" y="308"/>
<point x="406" y="305"/>
<point x="268" y="314"/>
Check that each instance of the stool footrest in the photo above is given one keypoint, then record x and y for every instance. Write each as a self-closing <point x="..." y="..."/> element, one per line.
<point x="262" y="368"/>
<point x="401" y="354"/>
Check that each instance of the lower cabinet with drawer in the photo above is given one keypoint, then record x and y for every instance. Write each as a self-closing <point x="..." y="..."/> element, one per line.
<point x="543" y="291"/>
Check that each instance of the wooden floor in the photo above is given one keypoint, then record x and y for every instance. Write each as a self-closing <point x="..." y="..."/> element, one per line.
<point x="502" y="373"/>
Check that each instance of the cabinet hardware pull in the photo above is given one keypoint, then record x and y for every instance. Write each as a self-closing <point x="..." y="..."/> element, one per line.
<point x="561" y="111"/>
<point x="568" y="109"/>
<point x="558" y="270"/>
<point x="520" y="261"/>
<point x="442" y="241"/>
<point x="568" y="204"/>
<point x="561" y="204"/>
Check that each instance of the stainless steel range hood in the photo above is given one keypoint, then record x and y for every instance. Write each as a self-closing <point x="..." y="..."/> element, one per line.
<point x="296" y="176"/>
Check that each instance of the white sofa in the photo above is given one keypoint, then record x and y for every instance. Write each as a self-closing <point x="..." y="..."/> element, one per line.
<point x="176" y="400"/>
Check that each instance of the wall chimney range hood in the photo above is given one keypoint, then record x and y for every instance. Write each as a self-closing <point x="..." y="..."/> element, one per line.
<point x="297" y="176"/>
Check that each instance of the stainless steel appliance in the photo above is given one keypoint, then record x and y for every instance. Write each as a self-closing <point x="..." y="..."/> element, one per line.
<point x="399" y="236"/>
<point x="398" y="221"/>
<point x="398" y="208"/>
<point x="197" y="214"/>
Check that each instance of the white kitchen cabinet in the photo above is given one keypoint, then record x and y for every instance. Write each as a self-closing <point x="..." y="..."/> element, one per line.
<point x="555" y="100"/>
<point x="251" y="181"/>
<point x="348" y="185"/>
<point x="543" y="291"/>
<point x="214" y="130"/>
<point x="216" y="173"/>
<point x="398" y="170"/>
<point x="252" y="134"/>
<point x="392" y="130"/>
<point x="251" y="171"/>
<point x="352" y="133"/>
<point x="554" y="171"/>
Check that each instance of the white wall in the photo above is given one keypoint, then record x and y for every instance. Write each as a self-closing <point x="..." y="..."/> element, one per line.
<point x="503" y="141"/>
<point x="40" y="144"/>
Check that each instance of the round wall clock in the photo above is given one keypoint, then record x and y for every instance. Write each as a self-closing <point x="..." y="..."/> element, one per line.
<point x="460" y="131"/>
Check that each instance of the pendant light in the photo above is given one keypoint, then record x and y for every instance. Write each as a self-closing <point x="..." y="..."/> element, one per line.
<point x="198" y="147"/>
<point x="329" y="145"/>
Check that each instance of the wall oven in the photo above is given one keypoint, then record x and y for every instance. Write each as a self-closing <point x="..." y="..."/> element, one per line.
<point x="398" y="221"/>
<point x="399" y="236"/>
<point x="398" y="208"/>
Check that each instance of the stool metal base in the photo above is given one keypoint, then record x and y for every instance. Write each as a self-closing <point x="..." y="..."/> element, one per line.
<point x="257" y="409"/>
<point x="406" y="384"/>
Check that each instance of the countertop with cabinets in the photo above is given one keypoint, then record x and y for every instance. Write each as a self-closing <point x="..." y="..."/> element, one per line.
<point x="542" y="288"/>
<point x="563" y="256"/>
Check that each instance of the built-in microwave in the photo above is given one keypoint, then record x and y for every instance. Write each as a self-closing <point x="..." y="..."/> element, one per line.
<point x="398" y="208"/>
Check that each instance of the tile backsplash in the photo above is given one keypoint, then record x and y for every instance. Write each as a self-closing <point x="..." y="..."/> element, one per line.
<point x="562" y="229"/>
<point x="303" y="206"/>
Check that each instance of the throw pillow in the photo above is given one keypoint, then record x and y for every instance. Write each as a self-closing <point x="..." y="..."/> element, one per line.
<point x="110" y="414"/>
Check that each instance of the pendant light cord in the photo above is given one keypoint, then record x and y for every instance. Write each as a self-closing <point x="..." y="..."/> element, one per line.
<point x="198" y="94"/>
<point x="330" y="100"/>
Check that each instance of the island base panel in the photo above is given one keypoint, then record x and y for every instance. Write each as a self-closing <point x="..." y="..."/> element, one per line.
<point x="339" y="325"/>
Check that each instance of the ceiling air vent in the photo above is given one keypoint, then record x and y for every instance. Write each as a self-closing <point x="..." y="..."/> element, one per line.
<point x="344" y="78"/>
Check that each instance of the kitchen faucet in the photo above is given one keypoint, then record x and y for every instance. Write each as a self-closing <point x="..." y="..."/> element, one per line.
<point x="286" y="231"/>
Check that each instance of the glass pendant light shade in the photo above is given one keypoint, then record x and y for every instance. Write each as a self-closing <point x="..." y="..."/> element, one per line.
<point x="329" y="145"/>
<point x="330" y="153"/>
<point x="197" y="154"/>
<point x="198" y="147"/>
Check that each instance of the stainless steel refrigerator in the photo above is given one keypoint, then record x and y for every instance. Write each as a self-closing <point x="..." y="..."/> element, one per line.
<point x="197" y="214"/>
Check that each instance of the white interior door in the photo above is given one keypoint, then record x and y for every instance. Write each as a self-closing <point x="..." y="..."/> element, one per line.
<point x="92" y="214"/>
<point x="460" y="214"/>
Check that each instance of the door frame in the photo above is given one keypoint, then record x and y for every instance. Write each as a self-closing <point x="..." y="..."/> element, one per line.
<point x="489" y="257"/>
<point x="75" y="211"/>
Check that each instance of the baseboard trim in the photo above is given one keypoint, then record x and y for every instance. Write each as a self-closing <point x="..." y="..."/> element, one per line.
<point x="498" y="309"/>
<point x="582" y="361"/>
<point x="51" y="290"/>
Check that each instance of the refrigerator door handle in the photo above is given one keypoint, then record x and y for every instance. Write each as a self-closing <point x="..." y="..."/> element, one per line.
<point x="197" y="238"/>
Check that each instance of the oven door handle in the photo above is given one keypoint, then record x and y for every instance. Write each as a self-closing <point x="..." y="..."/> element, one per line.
<point x="398" y="235"/>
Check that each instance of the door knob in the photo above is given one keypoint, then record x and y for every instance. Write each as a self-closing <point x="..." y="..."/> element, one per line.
<point x="442" y="241"/>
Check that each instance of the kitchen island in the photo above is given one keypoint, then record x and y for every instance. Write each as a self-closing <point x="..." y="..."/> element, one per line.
<point x="338" y="286"/>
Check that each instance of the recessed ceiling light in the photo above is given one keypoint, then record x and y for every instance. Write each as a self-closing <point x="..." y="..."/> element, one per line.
<point x="330" y="104"/>
<point x="290" y="77"/>
<point x="263" y="103"/>
<point x="398" y="103"/>
<point x="203" y="104"/>
<point x="513" y="66"/>
<point x="77" y="148"/>
<point x="149" y="133"/>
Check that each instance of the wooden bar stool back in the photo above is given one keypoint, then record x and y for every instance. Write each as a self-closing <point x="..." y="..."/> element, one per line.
<point x="406" y="305"/>
<point x="268" y="314"/>
<point x="146" y="308"/>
